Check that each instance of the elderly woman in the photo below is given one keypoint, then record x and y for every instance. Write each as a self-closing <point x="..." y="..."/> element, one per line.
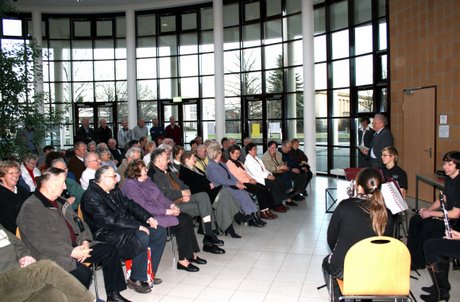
<point x="225" y="206"/>
<point x="201" y="158"/>
<point x="264" y="197"/>
<point x="142" y="190"/>
<point x="106" y="159"/>
<point x="29" y="171"/>
<point x="257" y="170"/>
<point x="177" y="152"/>
<point x="12" y="196"/>
<point x="149" y="147"/>
<point x="219" y="175"/>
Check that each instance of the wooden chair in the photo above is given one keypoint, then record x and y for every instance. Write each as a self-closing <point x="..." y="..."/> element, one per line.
<point x="376" y="268"/>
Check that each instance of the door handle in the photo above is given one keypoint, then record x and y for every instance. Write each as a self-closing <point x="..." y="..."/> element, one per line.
<point x="429" y="151"/>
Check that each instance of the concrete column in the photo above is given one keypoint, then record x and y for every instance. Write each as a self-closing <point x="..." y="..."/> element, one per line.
<point x="38" y="64"/>
<point x="218" y="13"/>
<point x="131" y="67"/>
<point x="309" y="83"/>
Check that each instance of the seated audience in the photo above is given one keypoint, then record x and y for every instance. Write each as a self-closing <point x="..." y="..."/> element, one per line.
<point x="142" y="190"/>
<point x="73" y="192"/>
<point x="218" y="173"/>
<point x="12" y="196"/>
<point x="429" y="223"/>
<point x="117" y="154"/>
<point x="132" y="154"/>
<point x="264" y="198"/>
<point x="22" y="278"/>
<point x="193" y="204"/>
<point x="391" y="171"/>
<point x="116" y="219"/>
<point x="201" y="158"/>
<point x="148" y="152"/>
<point x="354" y="219"/>
<point x="52" y="230"/>
<point x="257" y="170"/>
<point x="177" y="152"/>
<point x="41" y="159"/>
<point x="29" y="170"/>
<point x="224" y="205"/>
<point x="92" y="146"/>
<point x="106" y="159"/>
<point x="301" y="159"/>
<point x="76" y="162"/>
<point x="92" y="163"/>
<point x="299" y="177"/>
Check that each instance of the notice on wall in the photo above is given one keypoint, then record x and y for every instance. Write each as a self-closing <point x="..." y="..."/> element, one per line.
<point x="443" y="131"/>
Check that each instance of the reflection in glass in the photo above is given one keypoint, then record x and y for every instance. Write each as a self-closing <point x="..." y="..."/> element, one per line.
<point x="338" y="15"/>
<point x="168" y="45"/>
<point x="341" y="102"/>
<point x="147" y="90"/>
<point x="189" y="21"/>
<point x="341" y="158"/>
<point x="208" y="109"/>
<point x="320" y="48"/>
<point x="341" y="73"/>
<point x="365" y="100"/>
<point x="274" y="110"/>
<point x="340" y="44"/>
<point x="189" y="88"/>
<point x="232" y="108"/>
<point x="320" y="20"/>
<point x="273" y="32"/>
<point x="320" y="76"/>
<point x="364" y="70"/>
<point x="363" y="11"/>
<point x="188" y="65"/>
<point x="145" y="25"/>
<point x="146" y="68"/>
<point x="321" y="131"/>
<point x="104" y="70"/>
<point x="168" y="23"/>
<point x="254" y="109"/>
<point x="188" y="43"/>
<point x="382" y="35"/>
<point x="321" y="104"/>
<point x="363" y="39"/>
<point x="251" y="35"/>
<point x="104" y="28"/>
<point x="321" y="159"/>
<point x="146" y="47"/>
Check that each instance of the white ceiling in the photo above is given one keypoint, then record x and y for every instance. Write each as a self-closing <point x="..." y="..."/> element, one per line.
<point x="93" y="6"/>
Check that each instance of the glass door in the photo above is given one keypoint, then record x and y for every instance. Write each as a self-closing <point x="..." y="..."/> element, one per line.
<point x="95" y="112"/>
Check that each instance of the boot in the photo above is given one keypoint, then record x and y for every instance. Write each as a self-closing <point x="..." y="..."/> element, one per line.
<point x="439" y="272"/>
<point x="231" y="231"/>
<point x="210" y="237"/>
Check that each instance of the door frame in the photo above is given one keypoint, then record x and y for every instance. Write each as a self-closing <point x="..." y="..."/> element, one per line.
<point x="95" y="106"/>
<point x="163" y="120"/>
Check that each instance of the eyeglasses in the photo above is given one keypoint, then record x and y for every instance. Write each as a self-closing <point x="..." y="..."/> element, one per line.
<point x="112" y="176"/>
<point x="385" y="155"/>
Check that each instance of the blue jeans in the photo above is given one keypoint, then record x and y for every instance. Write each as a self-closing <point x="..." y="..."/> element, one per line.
<point x="156" y="242"/>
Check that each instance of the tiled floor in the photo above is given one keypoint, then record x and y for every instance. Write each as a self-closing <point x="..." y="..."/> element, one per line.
<point x="280" y="262"/>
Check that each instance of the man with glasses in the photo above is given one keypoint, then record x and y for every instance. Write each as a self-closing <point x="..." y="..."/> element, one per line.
<point x="92" y="163"/>
<point x="382" y="138"/>
<point x="115" y="219"/>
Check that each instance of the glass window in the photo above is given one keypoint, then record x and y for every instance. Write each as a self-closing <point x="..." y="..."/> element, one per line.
<point x="82" y="50"/>
<point x="104" y="28"/>
<point x="382" y="35"/>
<point x="188" y="65"/>
<point x="273" y="32"/>
<point x="168" y="88"/>
<point x="295" y="51"/>
<point x="320" y="48"/>
<point x="231" y="38"/>
<point x="168" y="23"/>
<point x="232" y="61"/>
<point x="148" y="110"/>
<point x="295" y="129"/>
<point x="382" y="8"/>
<point x="83" y="91"/>
<point x="383" y="100"/>
<point x="251" y="83"/>
<point x="255" y="109"/>
<point x="251" y="59"/>
<point x="104" y="70"/>
<point x="82" y="28"/>
<point x="363" y="39"/>
<point x="341" y="73"/>
<point x="208" y="86"/>
<point x="383" y="67"/>
<point x="294" y="27"/>
<point x="364" y="70"/>
<point x="340" y="44"/>
<point x="251" y="35"/>
<point x="232" y="108"/>
<point x="207" y="64"/>
<point x="274" y="109"/>
<point x="256" y="129"/>
<point x="231" y="16"/>
<point x="145" y="25"/>
<point x="59" y="28"/>
<point x="12" y="27"/>
<point x="251" y="11"/>
<point x="293" y="6"/>
<point x="147" y="90"/>
<point x="232" y="84"/>
<point x="321" y="158"/>
<point x="341" y="157"/>
<point x="59" y="50"/>
<point x="338" y="15"/>
<point x="167" y="67"/>
<point x="294" y="79"/>
<point x="341" y="102"/>
<point x="320" y="76"/>
<point x="341" y="131"/>
<point x="208" y="109"/>
<point x="120" y="69"/>
<point x="363" y="11"/>
<point x="273" y="56"/>
<point x="206" y="18"/>
<point x="105" y="91"/>
<point x="188" y="43"/>
<point x="365" y="101"/>
<point x="189" y="87"/>
<point x="120" y="50"/>
<point x="82" y="71"/>
<point x="168" y="45"/>
<point x="321" y="104"/>
<point x="103" y="49"/>
<point x="294" y="107"/>
<point x="121" y="27"/>
<point x="122" y="92"/>
<point x="189" y="21"/>
<point x="320" y="20"/>
<point x="146" y="68"/>
<point x="273" y="7"/>
<point x="207" y="41"/>
<point x="146" y="47"/>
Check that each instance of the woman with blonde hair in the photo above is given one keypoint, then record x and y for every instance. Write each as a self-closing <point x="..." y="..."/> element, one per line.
<point x="391" y="171"/>
<point x="354" y="219"/>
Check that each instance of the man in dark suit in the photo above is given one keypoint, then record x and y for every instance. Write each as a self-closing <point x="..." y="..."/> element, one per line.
<point x="382" y="138"/>
<point x="365" y="137"/>
<point x="85" y="133"/>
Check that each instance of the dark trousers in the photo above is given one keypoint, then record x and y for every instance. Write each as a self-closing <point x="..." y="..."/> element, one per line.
<point x="301" y="181"/>
<point x="107" y="255"/>
<point x="264" y="197"/>
<point x="185" y="237"/>
<point x="277" y="190"/>
<point x="331" y="273"/>
<point x="156" y="241"/>
<point x="439" y="249"/>
<point x="420" y="230"/>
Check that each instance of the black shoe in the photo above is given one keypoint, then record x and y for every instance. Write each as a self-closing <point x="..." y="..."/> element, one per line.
<point x="434" y="297"/>
<point x="291" y="203"/>
<point x="157" y="281"/>
<point x="260" y="221"/>
<point x="116" y="297"/>
<point x="189" y="268"/>
<point x="197" y="260"/>
<point x="231" y="231"/>
<point x="298" y="197"/>
<point x="253" y="222"/>
<point x="429" y="289"/>
<point x="213" y="249"/>
<point x="141" y="287"/>
<point x="212" y="240"/>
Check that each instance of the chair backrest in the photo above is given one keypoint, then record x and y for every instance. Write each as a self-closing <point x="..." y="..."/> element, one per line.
<point x="377" y="266"/>
<point x="350" y="173"/>
<point x="80" y="213"/>
<point x="18" y="234"/>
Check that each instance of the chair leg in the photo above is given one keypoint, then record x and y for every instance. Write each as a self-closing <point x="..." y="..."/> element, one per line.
<point x="96" y="291"/>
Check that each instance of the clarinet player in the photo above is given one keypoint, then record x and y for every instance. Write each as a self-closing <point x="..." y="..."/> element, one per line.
<point x="429" y="223"/>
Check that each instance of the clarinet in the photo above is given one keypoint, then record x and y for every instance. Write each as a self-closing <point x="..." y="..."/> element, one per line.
<point x="444" y="215"/>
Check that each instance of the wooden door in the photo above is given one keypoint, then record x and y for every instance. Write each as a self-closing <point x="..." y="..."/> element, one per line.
<point x="419" y="138"/>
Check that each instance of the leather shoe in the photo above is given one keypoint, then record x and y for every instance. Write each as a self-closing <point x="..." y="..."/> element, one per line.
<point x="157" y="281"/>
<point x="266" y="215"/>
<point x="141" y="287"/>
<point x="213" y="249"/>
<point x="254" y="223"/>
<point x="274" y="216"/>
<point x="298" y="197"/>
<point x="189" y="268"/>
<point x="291" y="203"/>
<point x="212" y="240"/>
<point x="197" y="260"/>
<point x="280" y="208"/>
<point x="116" y="297"/>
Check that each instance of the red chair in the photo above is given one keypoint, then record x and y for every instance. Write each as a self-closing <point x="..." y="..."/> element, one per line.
<point x="350" y="173"/>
